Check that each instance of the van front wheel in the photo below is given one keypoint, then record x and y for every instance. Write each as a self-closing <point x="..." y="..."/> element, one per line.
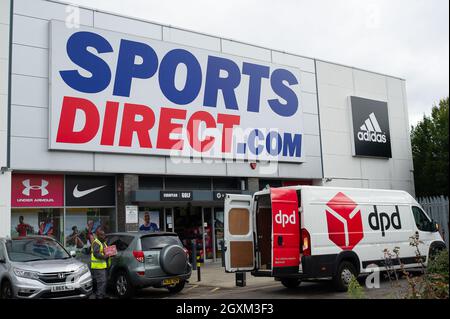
<point x="344" y="275"/>
<point x="291" y="283"/>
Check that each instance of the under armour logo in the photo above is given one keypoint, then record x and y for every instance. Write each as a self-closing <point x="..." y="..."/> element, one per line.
<point x="29" y="187"/>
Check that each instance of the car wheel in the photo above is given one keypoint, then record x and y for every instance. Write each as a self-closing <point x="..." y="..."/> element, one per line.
<point x="344" y="275"/>
<point x="291" y="283"/>
<point x="6" y="290"/>
<point x="122" y="285"/>
<point x="176" y="288"/>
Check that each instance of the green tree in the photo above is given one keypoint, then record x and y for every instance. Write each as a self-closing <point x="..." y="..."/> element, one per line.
<point x="429" y="139"/>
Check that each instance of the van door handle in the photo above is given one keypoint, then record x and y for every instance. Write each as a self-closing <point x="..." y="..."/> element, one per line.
<point x="280" y="240"/>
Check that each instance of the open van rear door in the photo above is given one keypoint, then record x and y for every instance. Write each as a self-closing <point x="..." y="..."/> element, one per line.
<point x="238" y="233"/>
<point x="285" y="231"/>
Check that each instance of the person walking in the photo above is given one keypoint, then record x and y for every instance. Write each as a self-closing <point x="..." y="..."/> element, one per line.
<point x="100" y="263"/>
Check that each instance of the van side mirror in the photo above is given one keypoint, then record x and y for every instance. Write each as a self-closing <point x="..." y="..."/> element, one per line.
<point x="73" y="253"/>
<point x="434" y="226"/>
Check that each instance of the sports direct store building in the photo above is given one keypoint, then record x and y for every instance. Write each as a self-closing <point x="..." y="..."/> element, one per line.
<point x="126" y="124"/>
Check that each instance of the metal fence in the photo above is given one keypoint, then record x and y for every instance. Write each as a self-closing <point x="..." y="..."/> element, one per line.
<point x="437" y="208"/>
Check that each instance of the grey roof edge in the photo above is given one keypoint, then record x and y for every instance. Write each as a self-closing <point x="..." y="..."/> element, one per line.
<point x="222" y="38"/>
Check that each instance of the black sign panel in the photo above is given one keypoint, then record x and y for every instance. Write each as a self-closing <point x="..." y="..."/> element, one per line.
<point x="167" y="196"/>
<point x="90" y="191"/>
<point x="371" y="134"/>
<point x="220" y="195"/>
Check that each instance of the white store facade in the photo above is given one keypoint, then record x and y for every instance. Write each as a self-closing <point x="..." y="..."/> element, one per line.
<point x="100" y="104"/>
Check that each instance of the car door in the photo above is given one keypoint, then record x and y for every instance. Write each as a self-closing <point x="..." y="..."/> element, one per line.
<point x="239" y="233"/>
<point x="3" y="266"/>
<point x="285" y="231"/>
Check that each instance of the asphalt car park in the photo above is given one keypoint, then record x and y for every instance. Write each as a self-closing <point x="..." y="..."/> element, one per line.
<point x="274" y="290"/>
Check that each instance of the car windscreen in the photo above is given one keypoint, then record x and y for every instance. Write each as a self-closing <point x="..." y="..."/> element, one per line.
<point x="34" y="249"/>
<point x="158" y="242"/>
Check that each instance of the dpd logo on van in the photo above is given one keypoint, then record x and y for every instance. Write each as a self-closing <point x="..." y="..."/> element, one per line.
<point x="344" y="221"/>
<point x="284" y="219"/>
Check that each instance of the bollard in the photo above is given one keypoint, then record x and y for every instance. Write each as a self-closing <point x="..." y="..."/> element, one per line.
<point x="199" y="276"/>
<point x="222" y="249"/>
<point x="241" y="280"/>
<point x="194" y="256"/>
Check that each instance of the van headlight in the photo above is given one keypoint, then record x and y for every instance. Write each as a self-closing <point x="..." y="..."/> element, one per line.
<point x="26" y="273"/>
<point x="83" y="270"/>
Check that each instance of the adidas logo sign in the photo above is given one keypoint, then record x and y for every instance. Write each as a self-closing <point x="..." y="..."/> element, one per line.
<point x="370" y="131"/>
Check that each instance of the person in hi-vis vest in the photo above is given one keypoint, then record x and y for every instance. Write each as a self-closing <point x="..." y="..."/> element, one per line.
<point x="99" y="264"/>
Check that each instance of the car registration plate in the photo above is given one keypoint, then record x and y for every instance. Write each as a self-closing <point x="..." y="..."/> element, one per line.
<point x="171" y="281"/>
<point x="62" y="288"/>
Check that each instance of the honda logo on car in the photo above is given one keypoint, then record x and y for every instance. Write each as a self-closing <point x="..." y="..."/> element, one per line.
<point x="345" y="222"/>
<point x="284" y="219"/>
<point x="112" y="92"/>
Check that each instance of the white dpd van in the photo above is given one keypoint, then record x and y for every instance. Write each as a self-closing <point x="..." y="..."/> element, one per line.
<point x="306" y="232"/>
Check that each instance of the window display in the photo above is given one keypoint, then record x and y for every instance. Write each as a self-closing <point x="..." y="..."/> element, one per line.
<point x="149" y="221"/>
<point x="36" y="221"/>
<point x="82" y="223"/>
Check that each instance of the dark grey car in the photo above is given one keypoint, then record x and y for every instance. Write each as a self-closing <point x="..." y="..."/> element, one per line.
<point x="148" y="260"/>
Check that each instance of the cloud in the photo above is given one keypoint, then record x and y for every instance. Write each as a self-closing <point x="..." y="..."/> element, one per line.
<point x="404" y="38"/>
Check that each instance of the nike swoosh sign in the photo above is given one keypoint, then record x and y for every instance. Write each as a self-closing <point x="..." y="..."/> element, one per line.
<point x="78" y="194"/>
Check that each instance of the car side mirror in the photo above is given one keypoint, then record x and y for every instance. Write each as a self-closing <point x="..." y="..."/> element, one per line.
<point x="73" y="253"/>
<point x="2" y="260"/>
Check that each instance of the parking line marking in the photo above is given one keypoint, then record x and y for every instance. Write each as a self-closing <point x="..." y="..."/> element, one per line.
<point x="215" y="289"/>
<point x="190" y="288"/>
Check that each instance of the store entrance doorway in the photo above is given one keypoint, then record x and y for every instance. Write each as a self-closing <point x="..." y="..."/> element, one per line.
<point x="202" y="226"/>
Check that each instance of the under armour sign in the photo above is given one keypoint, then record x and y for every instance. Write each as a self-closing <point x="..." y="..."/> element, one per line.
<point x="35" y="190"/>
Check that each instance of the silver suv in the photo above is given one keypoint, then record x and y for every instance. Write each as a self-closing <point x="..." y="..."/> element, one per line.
<point x="148" y="260"/>
<point x="39" y="267"/>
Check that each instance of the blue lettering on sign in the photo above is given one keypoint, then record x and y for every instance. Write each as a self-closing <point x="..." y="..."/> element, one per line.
<point x="77" y="50"/>
<point x="256" y="73"/>
<point x="127" y="69"/>
<point x="222" y="75"/>
<point x="274" y="149"/>
<point x="292" y="146"/>
<point x="277" y="80"/>
<point x="254" y="137"/>
<point x="167" y="73"/>
<point x="227" y="85"/>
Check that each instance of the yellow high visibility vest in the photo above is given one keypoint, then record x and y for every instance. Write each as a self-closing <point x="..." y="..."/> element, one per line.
<point x="99" y="263"/>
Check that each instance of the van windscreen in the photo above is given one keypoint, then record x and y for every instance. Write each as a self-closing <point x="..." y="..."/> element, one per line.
<point x="158" y="242"/>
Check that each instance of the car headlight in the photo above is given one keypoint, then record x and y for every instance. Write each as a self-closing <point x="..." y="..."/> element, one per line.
<point x="26" y="273"/>
<point x="82" y="270"/>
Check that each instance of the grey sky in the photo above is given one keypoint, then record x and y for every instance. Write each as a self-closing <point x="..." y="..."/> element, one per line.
<point x="405" y="38"/>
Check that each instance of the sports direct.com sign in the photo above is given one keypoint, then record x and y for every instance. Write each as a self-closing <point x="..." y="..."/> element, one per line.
<point x="116" y="93"/>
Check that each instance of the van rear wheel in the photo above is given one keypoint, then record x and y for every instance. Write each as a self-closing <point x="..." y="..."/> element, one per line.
<point x="291" y="283"/>
<point x="346" y="270"/>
